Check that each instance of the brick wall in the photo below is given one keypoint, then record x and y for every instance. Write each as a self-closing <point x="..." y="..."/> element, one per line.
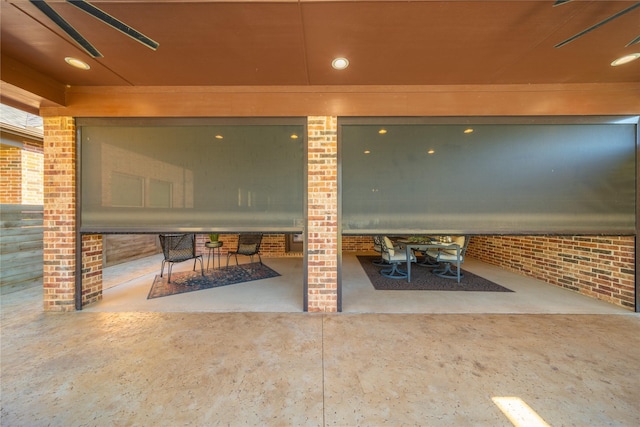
<point x="322" y="207"/>
<point x="21" y="174"/>
<point x="598" y="266"/>
<point x="59" y="214"/>
<point x="91" y="268"/>
<point x="273" y="245"/>
<point x="32" y="173"/>
<point x="357" y="243"/>
<point x="11" y="175"/>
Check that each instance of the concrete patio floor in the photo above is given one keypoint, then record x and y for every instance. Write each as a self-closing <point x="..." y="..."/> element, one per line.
<point x="104" y="367"/>
<point x="127" y="286"/>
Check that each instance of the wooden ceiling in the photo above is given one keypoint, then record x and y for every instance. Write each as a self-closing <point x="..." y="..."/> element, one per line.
<point x="292" y="43"/>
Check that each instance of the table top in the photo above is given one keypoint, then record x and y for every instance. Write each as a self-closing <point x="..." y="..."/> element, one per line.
<point x="418" y="243"/>
<point x="415" y="241"/>
<point x="217" y="244"/>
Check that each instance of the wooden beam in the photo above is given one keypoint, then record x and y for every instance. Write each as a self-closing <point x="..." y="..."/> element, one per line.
<point x="24" y="85"/>
<point x="257" y="101"/>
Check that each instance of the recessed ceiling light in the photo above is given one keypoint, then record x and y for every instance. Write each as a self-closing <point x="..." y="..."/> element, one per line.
<point x="625" y="59"/>
<point x="367" y="151"/>
<point x="382" y="131"/>
<point x="431" y="151"/>
<point x="74" y="62"/>
<point x="340" y="63"/>
<point x="468" y="130"/>
<point x="219" y="137"/>
<point x="294" y="136"/>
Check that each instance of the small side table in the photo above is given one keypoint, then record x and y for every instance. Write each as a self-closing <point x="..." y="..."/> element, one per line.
<point x="212" y="246"/>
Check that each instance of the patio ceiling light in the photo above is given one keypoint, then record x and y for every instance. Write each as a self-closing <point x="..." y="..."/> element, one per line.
<point x="340" y="63"/>
<point x="625" y="59"/>
<point x="77" y="63"/>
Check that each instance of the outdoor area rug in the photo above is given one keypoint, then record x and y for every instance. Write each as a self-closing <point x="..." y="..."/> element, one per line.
<point x="423" y="280"/>
<point x="194" y="281"/>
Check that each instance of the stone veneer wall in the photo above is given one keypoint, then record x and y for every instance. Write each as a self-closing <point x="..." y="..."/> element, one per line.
<point x="59" y="245"/>
<point x="602" y="267"/>
<point x="323" y="244"/>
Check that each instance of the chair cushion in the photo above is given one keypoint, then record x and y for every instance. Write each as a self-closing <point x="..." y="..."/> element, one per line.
<point x="459" y="240"/>
<point x="389" y="245"/>
<point x="246" y="248"/>
<point x="444" y="256"/>
<point x="399" y="256"/>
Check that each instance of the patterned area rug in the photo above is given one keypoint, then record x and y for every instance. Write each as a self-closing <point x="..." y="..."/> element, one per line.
<point x="193" y="281"/>
<point x="423" y="280"/>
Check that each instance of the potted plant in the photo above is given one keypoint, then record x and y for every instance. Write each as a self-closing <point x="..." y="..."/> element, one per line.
<point x="213" y="237"/>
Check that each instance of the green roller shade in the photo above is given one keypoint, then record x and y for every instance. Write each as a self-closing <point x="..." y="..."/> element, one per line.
<point x="488" y="176"/>
<point x="154" y="175"/>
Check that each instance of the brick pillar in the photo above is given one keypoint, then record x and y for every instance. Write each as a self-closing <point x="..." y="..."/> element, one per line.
<point x="322" y="225"/>
<point x="91" y="268"/>
<point x="59" y="213"/>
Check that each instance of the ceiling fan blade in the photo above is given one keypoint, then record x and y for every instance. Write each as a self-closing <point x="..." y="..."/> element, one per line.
<point x="115" y="23"/>
<point x="634" y="41"/>
<point x="66" y="27"/>
<point x="599" y="24"/>
<point x="559" y="2"/>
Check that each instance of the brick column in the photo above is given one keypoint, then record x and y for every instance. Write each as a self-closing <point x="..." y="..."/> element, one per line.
<point x="322" y="208"/>
<point x="59" y="213"/>
<point x="91" y="268"/>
